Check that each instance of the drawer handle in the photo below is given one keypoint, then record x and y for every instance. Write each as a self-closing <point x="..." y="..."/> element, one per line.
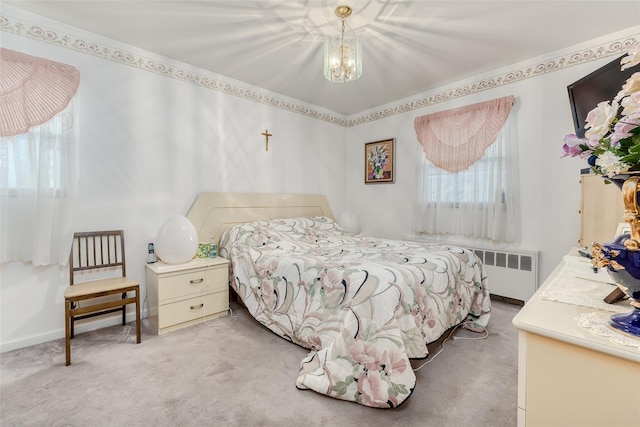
<point x="196" y="281"/>
<point x="196" y="307"/>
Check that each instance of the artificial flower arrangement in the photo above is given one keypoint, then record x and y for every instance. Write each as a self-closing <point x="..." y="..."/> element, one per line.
<point x="378" y="158"/>
<point x="612" y="139"/>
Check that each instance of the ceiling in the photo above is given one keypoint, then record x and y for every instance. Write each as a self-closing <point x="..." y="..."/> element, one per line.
<point x="409" y="47"/>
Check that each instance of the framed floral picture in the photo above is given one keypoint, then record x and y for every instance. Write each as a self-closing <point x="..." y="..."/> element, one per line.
<point x="379" y="159"/>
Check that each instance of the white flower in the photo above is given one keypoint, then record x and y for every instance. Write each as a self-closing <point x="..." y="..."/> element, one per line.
<point x="599" y="119"/>
<point x="631" y="104"/>
<point x="632" y="59"/>
<point x="632" y="85"/>
<point x="611" y="164"/>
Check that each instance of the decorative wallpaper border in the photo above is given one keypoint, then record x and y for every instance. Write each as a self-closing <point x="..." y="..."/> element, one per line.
<point x="616" y="47"/>
<point x="69" y="41"/>
<point x="121" y="56"/>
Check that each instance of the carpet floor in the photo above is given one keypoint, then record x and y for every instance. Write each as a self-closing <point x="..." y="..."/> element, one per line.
<point x="231" y="371"/>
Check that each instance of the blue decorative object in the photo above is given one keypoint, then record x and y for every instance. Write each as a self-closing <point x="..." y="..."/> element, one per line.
<point x="622" y="256"/>
<point x="623" y="265"/>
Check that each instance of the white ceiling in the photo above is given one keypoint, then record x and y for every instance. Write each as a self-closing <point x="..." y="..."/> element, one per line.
<point x="409" y="47"/>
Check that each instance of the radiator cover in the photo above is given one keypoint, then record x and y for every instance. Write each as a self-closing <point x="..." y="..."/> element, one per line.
<point x="510" y="273"/>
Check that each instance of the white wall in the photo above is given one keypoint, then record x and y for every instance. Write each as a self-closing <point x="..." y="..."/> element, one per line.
<point x="549" y="186"/>
<point x="148" y="145"/>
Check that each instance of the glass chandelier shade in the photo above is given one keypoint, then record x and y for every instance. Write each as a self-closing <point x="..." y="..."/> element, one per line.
<point x="343" y="53"/>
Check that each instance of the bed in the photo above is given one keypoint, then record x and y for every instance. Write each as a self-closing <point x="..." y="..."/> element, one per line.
<point x="362" y="306"/>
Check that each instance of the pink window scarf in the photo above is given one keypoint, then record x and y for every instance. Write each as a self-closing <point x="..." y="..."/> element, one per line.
<point x="454" y="139"/>
<point x="32" y="90"/>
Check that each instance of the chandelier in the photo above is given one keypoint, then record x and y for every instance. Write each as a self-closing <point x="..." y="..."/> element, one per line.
<point x="343" y="53"/>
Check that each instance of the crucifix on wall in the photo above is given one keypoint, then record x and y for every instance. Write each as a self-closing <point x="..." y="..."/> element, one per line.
<point x="266" y="135"/>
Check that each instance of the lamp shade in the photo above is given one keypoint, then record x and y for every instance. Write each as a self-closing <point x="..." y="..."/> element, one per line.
<point x="343" y="58"/>
<point x="177" y="241"/>
<point x="349" y="221"/>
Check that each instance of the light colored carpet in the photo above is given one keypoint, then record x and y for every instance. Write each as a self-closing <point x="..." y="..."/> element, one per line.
<point x="232" y="371"/>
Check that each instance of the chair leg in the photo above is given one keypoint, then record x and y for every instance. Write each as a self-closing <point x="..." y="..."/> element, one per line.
<point x="67" y="332"/>
<point x="138" y="315"/>
<point x="72" y="305"/>
<point x="124" y="310"/>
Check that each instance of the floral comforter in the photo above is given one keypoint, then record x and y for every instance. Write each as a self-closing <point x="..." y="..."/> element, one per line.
<point x="363" y="306"/>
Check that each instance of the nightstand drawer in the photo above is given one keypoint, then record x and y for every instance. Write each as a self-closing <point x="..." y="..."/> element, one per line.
<point x="192" y="282"/>
<point x="186" y="294"/>
<point x="192" y="308"/>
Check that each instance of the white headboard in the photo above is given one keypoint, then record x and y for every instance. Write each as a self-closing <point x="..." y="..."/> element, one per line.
<point x="213" y="213"/>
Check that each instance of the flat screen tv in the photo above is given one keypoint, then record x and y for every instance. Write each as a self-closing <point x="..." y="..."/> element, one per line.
<point x="601" y="85"/>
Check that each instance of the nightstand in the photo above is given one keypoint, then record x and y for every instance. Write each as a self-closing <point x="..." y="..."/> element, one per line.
<point x="185" y="294"/>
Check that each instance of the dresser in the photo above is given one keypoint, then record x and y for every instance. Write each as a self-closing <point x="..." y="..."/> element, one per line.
<point x="186" y="294"/>
<point x="567" y="376"/>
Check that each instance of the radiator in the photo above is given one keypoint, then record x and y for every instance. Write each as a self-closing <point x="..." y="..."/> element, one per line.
<point x="510" y="273"/>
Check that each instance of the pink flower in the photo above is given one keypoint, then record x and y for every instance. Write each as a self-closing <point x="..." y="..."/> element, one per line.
<point x="331" y="281"/>
<point x="623" y="128"/>
<point x="258" y="239"/>
<point x="267" y="270"/>
<point x="268" y="294"/>
<point x="374" y="390"/>
<point x="571" y="147"/>
<point x="394" y="361"/>
<point x="364" y="352"/>
<point x="374" y="357"/>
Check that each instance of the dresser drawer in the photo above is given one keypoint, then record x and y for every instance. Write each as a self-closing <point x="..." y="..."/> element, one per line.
<point x="192" y="308"/>
<point x="192" y="282"/>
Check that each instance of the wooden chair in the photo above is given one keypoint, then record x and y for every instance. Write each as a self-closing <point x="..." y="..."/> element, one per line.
<point x="93" y="259"/>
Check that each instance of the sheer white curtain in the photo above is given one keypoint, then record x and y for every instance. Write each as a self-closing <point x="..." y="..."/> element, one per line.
<point x="39" y="187"/>
<point x="477" y="202"/>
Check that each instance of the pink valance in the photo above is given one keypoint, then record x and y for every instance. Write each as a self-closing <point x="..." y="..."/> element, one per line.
<point x="32" y="90"/>
<point x="454" y="139"/>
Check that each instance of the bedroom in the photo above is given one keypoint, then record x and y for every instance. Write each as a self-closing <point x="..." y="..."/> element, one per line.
<point x="149" y="158"/>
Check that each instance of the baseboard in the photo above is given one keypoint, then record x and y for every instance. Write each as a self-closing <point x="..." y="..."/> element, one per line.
<point x="80" y="327"/>
<point x="507" y="300"/>
<point x="104" y="322"/>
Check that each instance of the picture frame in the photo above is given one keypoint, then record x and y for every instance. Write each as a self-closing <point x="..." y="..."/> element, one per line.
<point x="379" y="161"/>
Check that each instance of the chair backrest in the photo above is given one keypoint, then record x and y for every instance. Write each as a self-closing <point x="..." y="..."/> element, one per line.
<point x="97" y="250"/>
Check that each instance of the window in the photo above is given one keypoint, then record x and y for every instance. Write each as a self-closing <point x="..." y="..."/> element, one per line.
<point x="472" y="185"/>
<point x="38" y="187"/>
<point x="38" y="162"/>
<point x="29" y="149"/>
<point x="478" y="201"/>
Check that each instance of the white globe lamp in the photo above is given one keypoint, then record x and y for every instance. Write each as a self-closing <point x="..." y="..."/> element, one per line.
<point x="349" y="221"/>
<point x="177" y="241"/>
